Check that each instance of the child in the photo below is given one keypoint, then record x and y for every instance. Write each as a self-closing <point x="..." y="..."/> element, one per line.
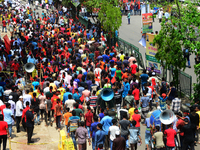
<point x="134" y="135"/>
<point x="66" y="117"/>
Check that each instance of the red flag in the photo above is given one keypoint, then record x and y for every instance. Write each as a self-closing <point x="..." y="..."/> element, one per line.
<point x="51" y="69"/>
<point x="80" y="30"/>
<point x="7" y="44"/>
<point x="131" y="1"/>
<point x="103" y="38"/>
<point x="84" y="33"/>
<point x="113" y="80"/>
<point x="87" y="61"/>
<point x="82" y="98"/>
<point x="14" y="75"/>
<point x="31" y="78"/>
<point x="77" y="18"/>
<point x="94" y="31"/>
<point x="116" y="44"/>
<point x="56" y="69"/>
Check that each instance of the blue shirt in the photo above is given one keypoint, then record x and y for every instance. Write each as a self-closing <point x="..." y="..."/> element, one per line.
<point x="100" y="137"/>
<point x="1" y="91"/>
<point x="76" y="96"/>
<point x="147" y="122"/>
<point x="94" y="129"/>
<point x="145" y="101"/>
<point x="106" y="122"/>
<point x="113" y="71"/>
<point x="7" y="115"/>
<point x="65" y="96"/>
<point x="31" y="60"/>
<point x="163" y="103"/>
<point x="101" y="115"/>
<point x="105" y="57"/>
<point x="144" y="78"/>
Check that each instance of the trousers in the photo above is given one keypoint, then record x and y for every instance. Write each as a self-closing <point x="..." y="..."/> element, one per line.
<point x="30" y="133"/>
<point x="4" y="138"/>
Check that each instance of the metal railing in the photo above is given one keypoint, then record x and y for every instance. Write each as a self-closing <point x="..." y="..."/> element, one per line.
<point x="131" y="49"/>
<point x="185" y="83"/>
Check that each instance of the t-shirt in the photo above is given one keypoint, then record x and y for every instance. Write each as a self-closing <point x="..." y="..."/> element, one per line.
<point x="70" y="103"/>
<point x="159" y="139"/>
<point x="101" y="115"/>
<point x="145" y="101"/>
<point x="3" y="127"/>
<point x="94" y="129"/>
<point x="163" y="103"/>
<point x="106" y="122"/>
<point x="18" y="107"/>
<point x="67" y="116"/>
<point x="131" y="112"/>
<point x="54" y="101"/>
<point x="137" y="118"/>
<point x="136" y="94"/>
<point x="144" y="78"/>
<point x="74" y="120"/>
<point x="29" y="118"/>
<point x="133" y="67"/>
<point x="113" y="130"/>
<point x="170" y="137"/>
<point x="7" y="115"/>
<point x="88" y="118"/>
<point x="124" y="126"/>
<point x="78" y="112"/>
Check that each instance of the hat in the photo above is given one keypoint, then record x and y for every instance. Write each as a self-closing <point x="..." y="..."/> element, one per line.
<point x="21" y="96"/>
<point x="153" y="73"/>
<point x="163" y="95"/>
<point x="10" y="97"/>
<point x="117" y="132"/>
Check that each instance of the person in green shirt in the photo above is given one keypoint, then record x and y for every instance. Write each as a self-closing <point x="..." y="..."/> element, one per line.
<point x="119" y="73"/>
<point x="79" y="112"/>
<point x="129" y="17"/>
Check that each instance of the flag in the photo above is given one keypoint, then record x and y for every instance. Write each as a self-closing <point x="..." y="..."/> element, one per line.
<point x="31" y="78"/>
<point x="56" y="69"/>
<point x="113" y="80"/>
<point x="14" y="75"/>
<point x="77" y="18"/>
<point x="51" y="69"/>
<point x="7" y="44"/>
<point x="103" y="38"/>
<point x="94" y="31"/>
<point x="80" y="30"/>
<point x="116" y="44"/>
<point x="131" y="1"/>
<point x="87" y="61"/>
<point x="82" y="98"/>
<point x="84" y="33"/>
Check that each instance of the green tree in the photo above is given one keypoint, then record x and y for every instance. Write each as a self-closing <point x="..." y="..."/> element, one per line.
<point x="180" y="32"/>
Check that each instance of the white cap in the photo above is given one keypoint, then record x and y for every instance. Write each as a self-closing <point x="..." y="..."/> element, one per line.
<point x="117" y="132"/>
<point x="10" y="97"/>
<point x="21" y="96"/>
<point x="153" y="73"/>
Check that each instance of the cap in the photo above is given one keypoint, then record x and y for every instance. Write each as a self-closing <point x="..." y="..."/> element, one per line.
<point x="163" y="95"/>
<point x="117" y="132"/>
<point x="10" y="97"/>
<point x="21" y="96"/>
<point x="153" y="73"/>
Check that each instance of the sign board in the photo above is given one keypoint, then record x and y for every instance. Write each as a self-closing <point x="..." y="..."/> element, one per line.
<point x="147" y="23"/>
<point x="151" y="51"/>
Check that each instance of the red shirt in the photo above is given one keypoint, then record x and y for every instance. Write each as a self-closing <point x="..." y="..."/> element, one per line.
<point x="137" y="118"/>
<point x="4" y="23"/>
<point x="2" y="107"/>
<point x="136" y="94"/>
<point x="88" y="118"/>
<point x="15" y="66"/>
<point x="24" y="113"/>
<point x="133" y="67"/>
<point x="3" y="127"/>
<point x="170" y="137"/>
<point x="80" y="106"/>
<point x="54" y="101"/>
<point x="180" y="123"/>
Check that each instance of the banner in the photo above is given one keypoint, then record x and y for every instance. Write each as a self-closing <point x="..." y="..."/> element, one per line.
<point x="147" y="23"/>
<point x="151" y="51"/>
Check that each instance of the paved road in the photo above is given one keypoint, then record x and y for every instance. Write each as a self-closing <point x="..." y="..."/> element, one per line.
<point x="132" y="34"/>
<point x="42" y="134"/>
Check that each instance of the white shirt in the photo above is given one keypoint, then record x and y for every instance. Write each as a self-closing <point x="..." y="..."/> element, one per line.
<point x="70" y="103"/>
<point x="113" y="130"/>
<point x="46" y="89"/>
<point x="160" y="14"/>
<point x="27" y="98"/>
<point x="12" y="104"/>
<point x="18" y="107"/>
<point x="7" y="92"/>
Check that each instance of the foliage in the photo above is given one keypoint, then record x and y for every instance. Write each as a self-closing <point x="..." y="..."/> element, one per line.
<point x="110" y="17"/>
<point x="176" y="34"/>
<point x="197" y="85"/>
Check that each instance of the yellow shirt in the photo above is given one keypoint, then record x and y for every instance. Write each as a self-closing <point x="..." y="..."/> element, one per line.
<point x="122" y="57"/>
<point x="131" y="112"/>
<point x="62" y="91"/>
<point x="31" y="93"/>
<point x="198" y="112"/>
<point x="37" y="93"/>
<point x="54" y="86"/>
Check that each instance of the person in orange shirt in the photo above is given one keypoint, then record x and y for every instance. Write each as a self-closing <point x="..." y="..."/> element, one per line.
<point x="125" y="75"/>
<point x="58" y="114"/>
<point x="102" y="64"/>
<point x="66" y="117"/>
<point x="53" y="102"/>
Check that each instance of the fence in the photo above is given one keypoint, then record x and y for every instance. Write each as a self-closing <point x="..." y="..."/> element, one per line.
<point x="185" y="82"/>
<point x="131" y="49"/>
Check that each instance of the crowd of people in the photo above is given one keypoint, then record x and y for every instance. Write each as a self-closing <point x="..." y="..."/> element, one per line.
<point x="73" y="65"/>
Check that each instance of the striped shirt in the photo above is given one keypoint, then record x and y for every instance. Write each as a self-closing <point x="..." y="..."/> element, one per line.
<point x="93" y="101"/>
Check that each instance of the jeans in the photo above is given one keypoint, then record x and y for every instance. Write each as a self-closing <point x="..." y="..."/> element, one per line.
<point x="186" y="144"/>
<point x="93" y="144"/>
<point x="47" y="116"/>
<point x="58" y="121"/>
<point x="18" y="120"/>
<point x="38" y="118"/>
<point x="30" y="133"/>
<point x="4" y="28"/>
<point x="10" y="129"/>
<point x="126" y="138"/>
<point x="88" y="129"/>
<point x="4" y="138"/>
<point x="73" y="138"/>
<point x="111" y="144"/>
<point x="129" y="20"/>
<point x="170" y="148"/>
<point x="118" y="107"/>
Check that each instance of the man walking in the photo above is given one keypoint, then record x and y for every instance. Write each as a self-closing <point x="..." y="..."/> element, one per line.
<point x="30" y="123"/>
<point x="18" y="114"/>
<point x="119" y="142"/>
